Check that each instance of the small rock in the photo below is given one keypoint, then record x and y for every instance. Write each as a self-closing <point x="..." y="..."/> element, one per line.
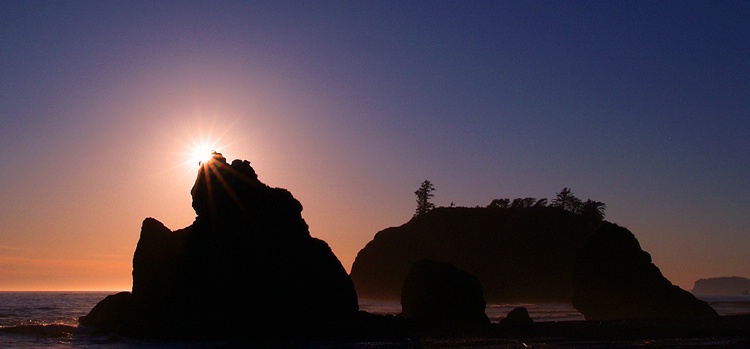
<point x="438" y="297"/>
<point x="518" y="315"/>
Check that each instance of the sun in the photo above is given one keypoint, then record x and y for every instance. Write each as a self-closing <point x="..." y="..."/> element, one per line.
<point x="201" y="153"/>
<point x="198" y="144"/>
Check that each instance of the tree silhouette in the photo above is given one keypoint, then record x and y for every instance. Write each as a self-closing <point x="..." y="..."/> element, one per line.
<point x="523" y="202"/>
<point x="424" y="194"/>
<point x="499" y="203"/>
<point x="541" y="203"/>
<point x="567" y="201"/>
<point x="593" y="210"/>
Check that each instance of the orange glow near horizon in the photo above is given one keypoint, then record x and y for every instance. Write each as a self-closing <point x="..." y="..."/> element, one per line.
<point x="41" y="274"/>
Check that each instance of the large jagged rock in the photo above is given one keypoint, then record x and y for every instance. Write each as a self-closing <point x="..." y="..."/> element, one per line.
<point x="440" y="298"/>
<point x="529" y="255"/>
<point x="614" y="279"/>
<point x="518" y="254"/>
<point x="246" y="267"/>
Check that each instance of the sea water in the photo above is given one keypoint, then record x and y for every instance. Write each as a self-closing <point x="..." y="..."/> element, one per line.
<point x="538" y="311"/>
<point x="49" y="319"/>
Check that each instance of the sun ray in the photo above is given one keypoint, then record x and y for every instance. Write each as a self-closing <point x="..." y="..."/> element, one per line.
<point x="201" y="153"/>
<point x="198" y="144"/>
<point x="192" y="141"/>
<point x="228" y="189"/>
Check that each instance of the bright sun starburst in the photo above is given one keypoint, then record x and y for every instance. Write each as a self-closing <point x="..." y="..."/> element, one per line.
<point x="198" y="144"/>
<point x="201" y="153"/>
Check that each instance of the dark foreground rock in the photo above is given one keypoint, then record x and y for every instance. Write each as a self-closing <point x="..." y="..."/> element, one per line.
<point x="247" y="267"/>
<point x="440" y="298"/>
<point x="109" y="314"/>
<point x="614" y="279"/>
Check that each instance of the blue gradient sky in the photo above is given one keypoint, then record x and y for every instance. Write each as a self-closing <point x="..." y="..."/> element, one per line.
<point x="643" y="105"/>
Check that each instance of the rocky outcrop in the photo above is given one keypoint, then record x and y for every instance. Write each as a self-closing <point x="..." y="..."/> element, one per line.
<point x="615" y="279"/>
<point x="517" y="316"/>
<point x="722" y="286"/>
<point x="246" y="267"/>
<point x="109" y="314"/>
<point x="518" y="254"/>
<point x="440" y="298"/>
<point x="530" y="254"/>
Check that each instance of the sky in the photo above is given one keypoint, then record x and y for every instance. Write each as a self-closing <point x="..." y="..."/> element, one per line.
<point x="350" y="105"/>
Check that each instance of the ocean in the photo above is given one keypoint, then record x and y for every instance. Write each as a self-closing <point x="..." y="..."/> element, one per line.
<point x="49" y="319"/>
<point x="537" y="311"/>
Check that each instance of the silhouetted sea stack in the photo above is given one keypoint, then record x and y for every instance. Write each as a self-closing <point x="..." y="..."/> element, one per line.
<point x="517" y="316"/>
<point x="440" y="298"/>
<point x="246" y="267"/>
<point x="518" y="254"/>
<point x="614" y="279"/>
<point x="529" y="254"/>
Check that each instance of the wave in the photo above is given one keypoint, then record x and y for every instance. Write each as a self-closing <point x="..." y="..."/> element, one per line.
<point x="43" y="330"/>
<point x="45" y="308"/>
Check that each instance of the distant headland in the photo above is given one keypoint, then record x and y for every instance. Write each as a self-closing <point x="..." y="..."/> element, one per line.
<point x="722" y="286"/>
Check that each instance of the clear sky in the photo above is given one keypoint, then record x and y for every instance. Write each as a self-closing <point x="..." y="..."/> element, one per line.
<point x="644" y="105"/>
